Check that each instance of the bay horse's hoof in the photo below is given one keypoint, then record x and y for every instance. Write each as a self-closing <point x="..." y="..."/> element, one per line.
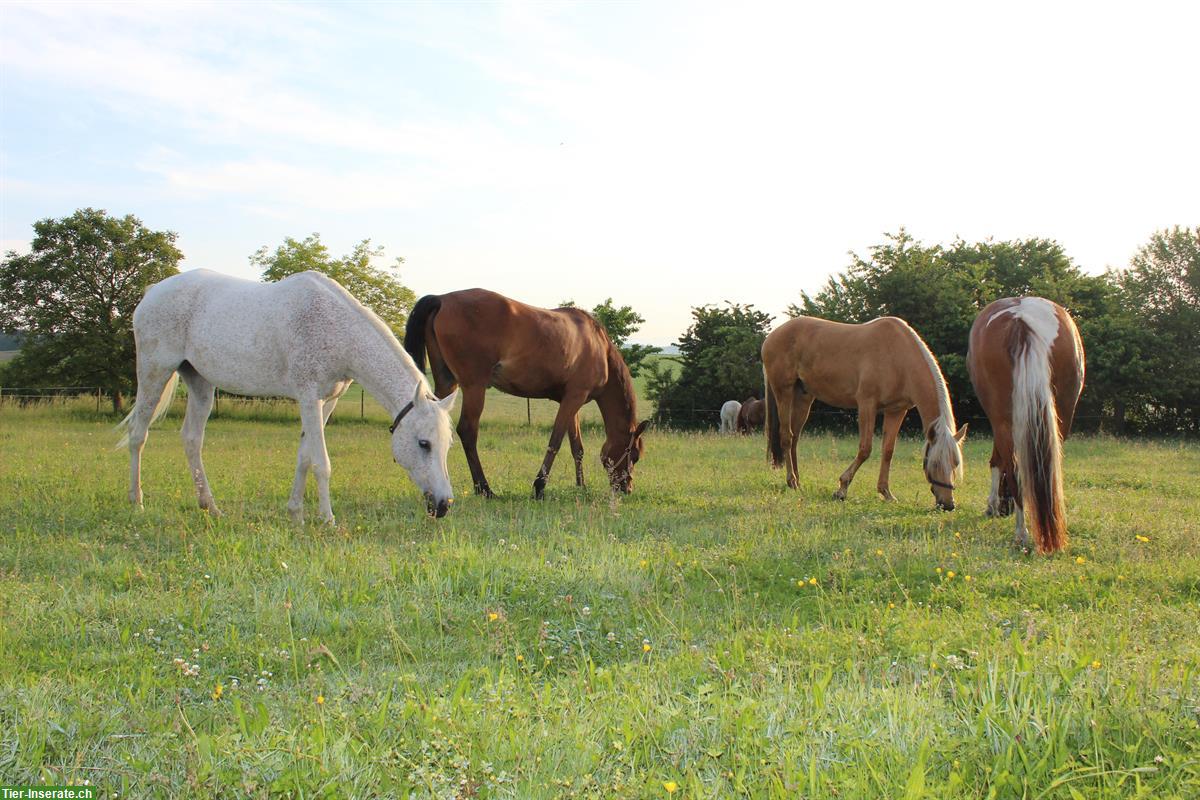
<point x="539" y="489"/>
<point x="839" y="495"/>
<point x="485" y="490"/>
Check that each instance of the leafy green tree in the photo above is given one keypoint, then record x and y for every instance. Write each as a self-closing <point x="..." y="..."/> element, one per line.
<point x="73" y="296"/>
<point x="620" y="323"/>
<point x="719" y="359"/>
<point x="1160" y="297"/>
<point x="378" y="289"/>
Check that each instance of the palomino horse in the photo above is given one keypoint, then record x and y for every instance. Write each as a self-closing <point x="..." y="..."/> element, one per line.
<point x="752" y="415"/>
<point x="881" y="365"/>
<point x="729" y="415"/>
<point x="1026" y="364"/>
<point x="476" y="339"/>
<point x="304" y="337"/>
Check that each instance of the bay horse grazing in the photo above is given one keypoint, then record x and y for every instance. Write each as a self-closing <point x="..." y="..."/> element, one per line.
<point x="304" y="337"/>
<point x="729" y="415"/>
<point x="1027" y="366"/>
<point x="752" y="416"/>
<point x="475" y="338"/>
<point x="878" y="366"/>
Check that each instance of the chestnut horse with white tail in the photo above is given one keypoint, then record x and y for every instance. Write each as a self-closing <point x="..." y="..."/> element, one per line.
<point x="304" y="337"/>
<point x="878" y="366"/>
<point x="1026" y="364"/>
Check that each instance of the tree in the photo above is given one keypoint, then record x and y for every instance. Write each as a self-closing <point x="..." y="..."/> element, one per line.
<point x="1160" y="298"/>
<point x="378" y="289"/>
<point x="621" y="323"/>
<point x="74" y="294"/>
<point x="720" y="359"/>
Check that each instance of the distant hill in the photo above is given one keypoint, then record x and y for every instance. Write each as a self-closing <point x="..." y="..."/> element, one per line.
<point x="10" y="341"/>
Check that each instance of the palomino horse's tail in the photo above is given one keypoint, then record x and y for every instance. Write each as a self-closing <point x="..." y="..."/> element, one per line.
<point x="1036" y="438"/>
<point x="414" y="329"/>
<point x="774" y="442"/>
<point x="164" y="402"/>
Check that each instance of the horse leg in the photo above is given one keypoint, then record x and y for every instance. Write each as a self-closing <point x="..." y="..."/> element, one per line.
<point x="568" y="409"/>
<point x="866" y="431"/>
<point x="312" y="413"/>
<point x="784" y="400"/>
<point x="891" y="429"/>
<point x="576" y="440"/>
<point x="151" y="385"/>
<point x="468" y="432"/>
<point x="801" y="406"/>
<point x="296" y="500"/>
<point x="199" y="405"/>
<point x="1003" y="491"/>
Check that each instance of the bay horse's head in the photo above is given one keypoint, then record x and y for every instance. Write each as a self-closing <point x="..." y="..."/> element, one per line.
<point x="943" y="461"/>
<point x="618" y="455"/>
<point x="420" y="443"/>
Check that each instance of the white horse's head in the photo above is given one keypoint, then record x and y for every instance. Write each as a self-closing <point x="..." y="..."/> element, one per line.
<point x="420" y="443"/>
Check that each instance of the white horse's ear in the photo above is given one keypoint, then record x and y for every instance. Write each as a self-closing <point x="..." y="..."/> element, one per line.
<point x="962" y="434"/>
<point x="418" y="395"/>
<point x="447" y="402"/>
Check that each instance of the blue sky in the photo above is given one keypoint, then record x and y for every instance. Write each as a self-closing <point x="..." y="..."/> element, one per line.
<point x="665" y="154"/>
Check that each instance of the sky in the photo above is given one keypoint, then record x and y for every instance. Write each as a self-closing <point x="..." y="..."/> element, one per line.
<point x="664" y="154"/>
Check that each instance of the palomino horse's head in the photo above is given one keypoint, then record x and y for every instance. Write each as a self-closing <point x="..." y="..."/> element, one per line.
<point x="618" y="455"/>
<point x="420" y="443"/>
<point x="943" y="461"/>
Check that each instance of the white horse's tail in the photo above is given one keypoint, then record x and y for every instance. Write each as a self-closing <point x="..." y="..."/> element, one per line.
<point x="1036" y="438"/>
<point x="164" y="402"/>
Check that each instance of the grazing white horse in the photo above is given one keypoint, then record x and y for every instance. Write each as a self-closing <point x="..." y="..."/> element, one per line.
<point x="729" y="415"/>
<point x="304" y="337"/>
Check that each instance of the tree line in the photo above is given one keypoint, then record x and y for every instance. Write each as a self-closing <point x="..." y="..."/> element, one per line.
<point x="71" y="301"/>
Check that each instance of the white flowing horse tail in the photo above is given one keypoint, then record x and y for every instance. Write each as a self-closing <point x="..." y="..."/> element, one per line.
<point x="164" y="402"/>
<point x="1036" y="438"/>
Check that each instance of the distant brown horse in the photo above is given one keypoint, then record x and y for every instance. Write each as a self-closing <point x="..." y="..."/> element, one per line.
<point x="879" y="366"/>
<point x="476" y="339"/>
<point x="752" y="415"/>
<point x="1026" y="364"/>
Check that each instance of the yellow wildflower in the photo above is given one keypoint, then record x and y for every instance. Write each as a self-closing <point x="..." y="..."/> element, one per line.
<point x="891" y="605"/>
<point x="812" y="581"/>
<point x="878" y="552"/>
<point x="1120" y="577"/>
<point x="1080" y="560"/>
<point x="1095" y="665"/>
<point x="217" y="691"/>
<point x="1142" y="539"/>
<point x="520" y="658"/>
<point x="645" y="647"/>
<point x="950" y="574"/>
<point x="320" y="699"/>
<point x="493" y="616"/>
<point x="966" y="578"/>
<point x="670" y="786"/>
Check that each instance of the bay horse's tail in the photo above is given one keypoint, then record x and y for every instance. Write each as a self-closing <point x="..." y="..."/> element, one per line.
<point x="774" y="442"/>
<point x="164" y="402"/>
<point x="1036" y="438"/>
<point x="414" y="330"/>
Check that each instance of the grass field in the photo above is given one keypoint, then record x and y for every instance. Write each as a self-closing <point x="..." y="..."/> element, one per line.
<point x="711" y="635"/>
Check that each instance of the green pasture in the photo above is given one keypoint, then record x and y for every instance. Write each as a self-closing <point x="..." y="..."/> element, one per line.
<point x="712" y="635"/>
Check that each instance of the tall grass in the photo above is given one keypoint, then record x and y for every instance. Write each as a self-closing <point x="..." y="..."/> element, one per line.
<point x="712" y="633"/>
